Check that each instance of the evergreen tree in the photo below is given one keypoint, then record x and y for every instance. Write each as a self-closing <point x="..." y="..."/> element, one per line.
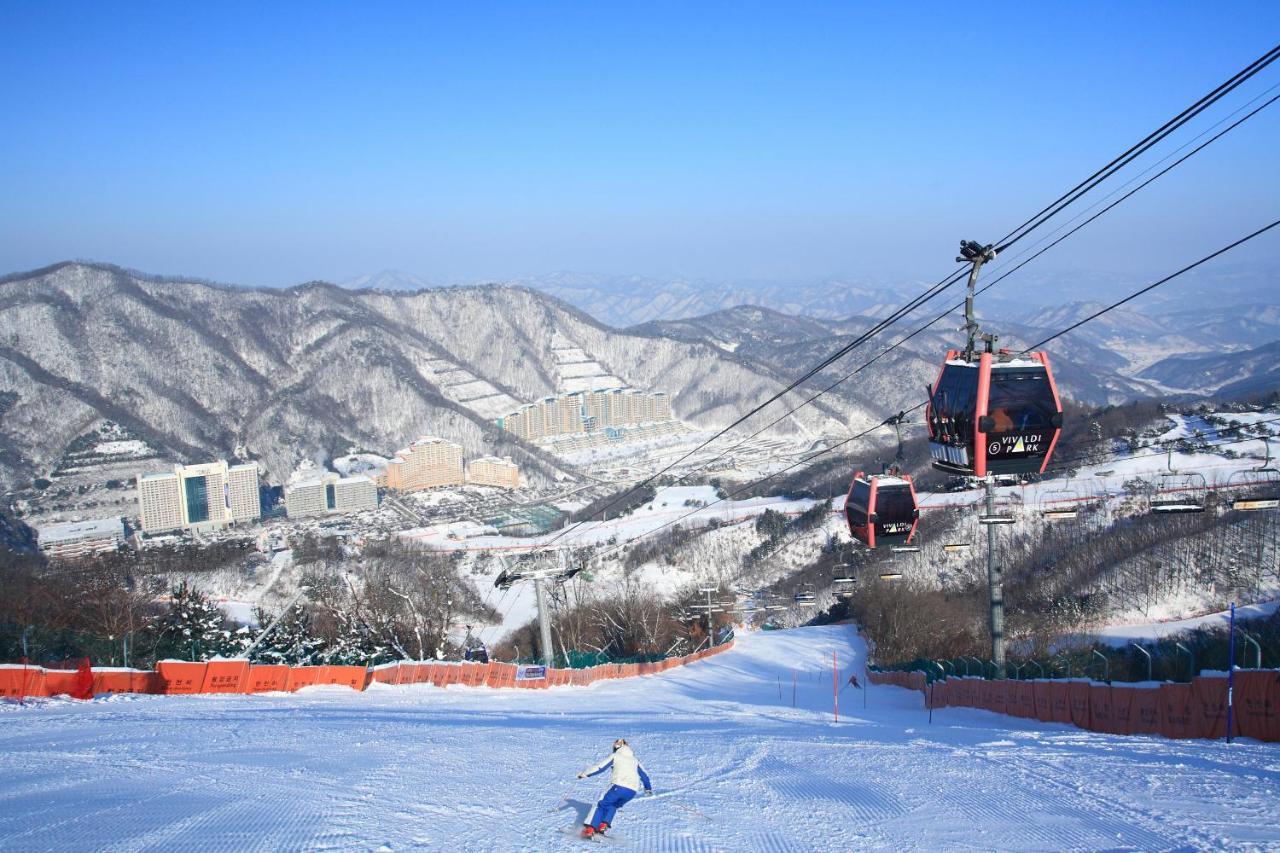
<point x="197" y="626"/>
<point x="291" y="642"/>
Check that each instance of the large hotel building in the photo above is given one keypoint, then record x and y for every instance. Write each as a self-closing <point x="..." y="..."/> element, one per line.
<point x="199" y="497"/>
<point x="586" y="411"/>
<point x="492" y="471"/>
<point x="328" y="494"/>
<point x="426" y="463"/>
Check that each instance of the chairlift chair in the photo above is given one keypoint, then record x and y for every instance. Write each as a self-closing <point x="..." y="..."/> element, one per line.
<point x="1257" y="488"/>
<point x="956" y="547"/>
<point x="1179" y="492"/>
<point x="1060" y="504"/>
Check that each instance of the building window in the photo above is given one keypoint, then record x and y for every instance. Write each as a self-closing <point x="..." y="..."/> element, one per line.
<point x="197" y="500"/>
<point x="329" y="498"/>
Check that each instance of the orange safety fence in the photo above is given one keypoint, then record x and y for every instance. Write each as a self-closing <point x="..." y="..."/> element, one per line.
<point x="303" y="676"/>
<point x="225" y="676"/>
<point x="1144" y="710"/>
<point x="355" y="677"/>
<point x="1257" y="704"/>
<point x="1044" y="701"/>
<point x="1209" y="707"/>
<point x="1026" y="700"/>
<point x="387" y="673"/>
<point x="18" y="681"/>
<point x="62" y="682"/>
<point x="1175" y="711"/>
<point x="238" y="676"/>
<point x="1100" y="707"/>
<point x="267" y="678"/>
<point x="1195" y="710"/>
<point x="1078" y="695"/>
<point x="180" y="678"/>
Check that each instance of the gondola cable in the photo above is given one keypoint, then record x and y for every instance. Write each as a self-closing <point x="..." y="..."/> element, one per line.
<point x="1077" y="192"/>
<point x="1138" y="149"/>
<point x="759" y="481"/>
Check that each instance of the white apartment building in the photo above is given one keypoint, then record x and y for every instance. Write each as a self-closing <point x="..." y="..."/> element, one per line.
<point x="426" y="463"/>
<point x="159" y="502"/>
<point x="492" y="471"/>
<point x="243" y="497"/>
<point x="208" y="496"/>
<point x="330" y="493"/>
<point x="72" y="539"/>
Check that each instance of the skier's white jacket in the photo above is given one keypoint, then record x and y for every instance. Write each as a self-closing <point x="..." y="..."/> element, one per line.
<point x="627" y="772"/>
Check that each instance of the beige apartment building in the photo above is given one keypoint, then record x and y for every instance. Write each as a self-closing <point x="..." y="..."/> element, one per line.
<point x="426" y="463"/>
<point x="492" y="471"/>
<point x="328" y="494"/>
<point x="585" y="411"/>
<point x="208" y="496"/>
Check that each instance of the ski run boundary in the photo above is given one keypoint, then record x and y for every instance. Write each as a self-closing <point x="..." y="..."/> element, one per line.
<point x="177" y="678"/>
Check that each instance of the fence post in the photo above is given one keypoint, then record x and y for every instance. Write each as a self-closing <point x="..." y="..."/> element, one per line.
<point x="1191" y="658"/>
<point x="1231" y="668"/>
<point x="1257" y="649"/>
<point x="835" y="685"/>
<point x="1148" y="654"/>
<point x="1106" y="662"/>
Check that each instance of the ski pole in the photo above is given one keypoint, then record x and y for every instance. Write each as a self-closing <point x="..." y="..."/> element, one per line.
<point x="563" y="800"/>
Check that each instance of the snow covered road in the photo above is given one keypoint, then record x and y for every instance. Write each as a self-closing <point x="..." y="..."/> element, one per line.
<point x="735" y="766"/>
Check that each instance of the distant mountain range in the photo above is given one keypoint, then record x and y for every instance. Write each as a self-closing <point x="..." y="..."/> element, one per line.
<point x="281" y="375"/>
<point x="629" y="300"/>
<point x="196" y="369"/>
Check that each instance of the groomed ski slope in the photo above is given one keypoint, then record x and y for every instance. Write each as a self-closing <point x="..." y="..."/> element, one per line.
<point x="735" y="766"/>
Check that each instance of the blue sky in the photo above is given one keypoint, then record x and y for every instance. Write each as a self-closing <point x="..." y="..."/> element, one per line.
<point x="276" y="143"/>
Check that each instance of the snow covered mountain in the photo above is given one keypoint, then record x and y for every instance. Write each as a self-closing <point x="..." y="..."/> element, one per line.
<point x="194" y="369"/>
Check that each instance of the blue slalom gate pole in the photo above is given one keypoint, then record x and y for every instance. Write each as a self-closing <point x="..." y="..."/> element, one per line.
<point x="1231" y="667"/>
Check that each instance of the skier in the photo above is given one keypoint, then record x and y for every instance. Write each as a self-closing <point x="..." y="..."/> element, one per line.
<point x="627" y="777"/>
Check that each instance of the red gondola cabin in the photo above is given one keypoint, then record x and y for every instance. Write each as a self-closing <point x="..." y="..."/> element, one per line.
<point x="1000" y="414"/>
<point x="881" y="509"/>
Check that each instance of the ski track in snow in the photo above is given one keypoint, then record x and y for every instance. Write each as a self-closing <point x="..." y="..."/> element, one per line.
<point x="735" y="766"/>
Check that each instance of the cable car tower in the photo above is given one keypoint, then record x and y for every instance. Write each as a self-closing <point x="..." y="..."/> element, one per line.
<point x="539" y="572"/>
<point x="990" y="413"/>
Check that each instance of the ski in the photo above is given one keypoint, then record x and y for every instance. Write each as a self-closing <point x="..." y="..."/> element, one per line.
<point x="607" y="838"/>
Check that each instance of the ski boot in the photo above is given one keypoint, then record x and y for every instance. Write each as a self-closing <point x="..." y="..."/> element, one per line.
<point x="602" y="829"/>
<point x="588" y="831"/>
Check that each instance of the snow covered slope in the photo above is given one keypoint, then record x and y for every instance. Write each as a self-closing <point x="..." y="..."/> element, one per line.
<point x="735" y="766"/>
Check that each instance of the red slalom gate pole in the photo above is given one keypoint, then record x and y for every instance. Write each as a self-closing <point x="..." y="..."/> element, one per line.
<point x="835" y="685"/>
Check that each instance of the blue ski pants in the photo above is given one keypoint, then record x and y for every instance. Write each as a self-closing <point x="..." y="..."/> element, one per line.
<point x="614" y="798"/>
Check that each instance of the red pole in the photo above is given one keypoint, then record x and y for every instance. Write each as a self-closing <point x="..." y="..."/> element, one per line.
<point x="835" y="685"/>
